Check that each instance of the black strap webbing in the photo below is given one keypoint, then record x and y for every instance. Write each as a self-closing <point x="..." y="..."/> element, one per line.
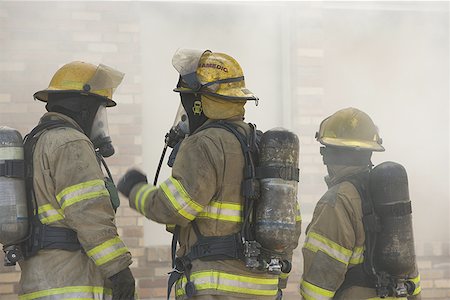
<point x="286" y="173"/>
<point x="354" y="277"/>
<point x="394" y="210"/>
<point x="12" y="168"/>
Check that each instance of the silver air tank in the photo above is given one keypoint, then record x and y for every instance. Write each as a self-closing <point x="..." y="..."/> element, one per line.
<point x="394" y="247"/>
<point x="277" y="209"/>
<point x="13" y="203"/>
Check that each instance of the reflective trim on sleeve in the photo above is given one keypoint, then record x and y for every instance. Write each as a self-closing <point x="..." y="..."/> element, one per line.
<point x="418" y="288"/>
<point x="310" y="291"/>
<point x="70" y="292"/>
<point x="284" y="275"/>
<point x="227" y="282"/>
<point x="107" y="251"/>
<point x="180" y="199"/>
<point x="141" y="197"/>
<point x="48" y="214"/>
<point x="298" y="215"/>
<point x="357" y="256"/>
<point x="315" y="242"/>
<point x="82" y="191"/>
<point x="222" y="211"/>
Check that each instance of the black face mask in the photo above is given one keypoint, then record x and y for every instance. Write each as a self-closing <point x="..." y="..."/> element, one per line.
<point x="346" y="157"/>
<point x="193" y="107"/>
<point x="82" y="109"/>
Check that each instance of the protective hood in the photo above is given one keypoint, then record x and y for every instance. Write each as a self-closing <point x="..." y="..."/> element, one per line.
<point x="219" y="109"/>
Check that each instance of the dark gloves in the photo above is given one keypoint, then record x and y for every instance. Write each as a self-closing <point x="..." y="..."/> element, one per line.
<point x="129" y="180"/>
<point x="123" y="285"/>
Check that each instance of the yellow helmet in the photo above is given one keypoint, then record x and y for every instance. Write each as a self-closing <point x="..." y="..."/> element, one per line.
<point x="350" y="128"/>
<point x="210" y="73"/>
<point x="83" y="78"/>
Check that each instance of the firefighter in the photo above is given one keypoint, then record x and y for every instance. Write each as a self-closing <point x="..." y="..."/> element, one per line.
<point x="334" y="248"/>
<point x="75" y="251"/>
<point x="202" y="197"/>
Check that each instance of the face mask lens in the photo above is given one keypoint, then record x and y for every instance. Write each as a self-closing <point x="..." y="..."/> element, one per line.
<point x="180" y="128"/>
<point x="100" y="125"/>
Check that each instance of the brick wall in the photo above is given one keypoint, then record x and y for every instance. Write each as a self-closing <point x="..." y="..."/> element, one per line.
<point x="37" y="38"/>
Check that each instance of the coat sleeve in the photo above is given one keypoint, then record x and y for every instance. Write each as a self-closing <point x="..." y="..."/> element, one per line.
<point x="81" y="194"/>
<point x="181" y="197"/>
<point x="328" y="249"/>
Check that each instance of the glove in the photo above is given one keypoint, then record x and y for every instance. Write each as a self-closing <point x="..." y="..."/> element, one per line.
<point x="129" y="180"/>
<point x="123" y="285"/>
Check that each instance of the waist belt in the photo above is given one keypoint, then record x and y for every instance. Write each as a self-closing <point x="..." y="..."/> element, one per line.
<point x="355" y="277"/>
<point x="50" y="237"/>
<point x="206" y="249"/>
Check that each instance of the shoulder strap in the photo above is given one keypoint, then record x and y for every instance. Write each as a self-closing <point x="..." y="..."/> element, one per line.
<point x="250" y="185"/>
<point x="364" y="275"/>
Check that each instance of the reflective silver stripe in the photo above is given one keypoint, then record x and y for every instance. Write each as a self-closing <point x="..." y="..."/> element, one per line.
<point x="70" y="292"/>
<point x="180" y="199"/>
<point x="222" y="211"/>
<point x="48" y="214"/>
<point x="231" y="283"/>
<point x="83" y="191"/>
<point x="107" y="251"/>
<point x="312" y="292"/>
<point x="357" y="256"/>
<point x="316" y="242"/>
<point x="141" y="197"/>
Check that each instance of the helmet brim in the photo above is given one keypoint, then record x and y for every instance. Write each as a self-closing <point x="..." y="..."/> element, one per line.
<point x="354" y="144"/>
<point x="43" y="95"/>
<point x="237" y="94"/>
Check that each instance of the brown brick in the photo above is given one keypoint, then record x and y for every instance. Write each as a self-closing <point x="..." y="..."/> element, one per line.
<point x="9" y="277"/>
<point x="6" y="288"/>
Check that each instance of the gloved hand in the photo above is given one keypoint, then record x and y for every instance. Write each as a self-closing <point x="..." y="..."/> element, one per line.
<point x="123" y="285"/>
<point x="129" y="180"/>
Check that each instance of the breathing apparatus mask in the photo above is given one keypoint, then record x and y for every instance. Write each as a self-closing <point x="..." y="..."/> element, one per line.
<point x="99" y="134"/>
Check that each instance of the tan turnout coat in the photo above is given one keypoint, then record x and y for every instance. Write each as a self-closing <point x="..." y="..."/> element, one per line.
<point x="71" y="193"/>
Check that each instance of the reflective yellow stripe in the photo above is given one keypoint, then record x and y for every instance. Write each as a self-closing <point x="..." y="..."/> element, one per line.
<point x="298" y="215"/>
<point x="313" y="292"/>
<point x="48" y="214"/>
<point x="71" y="292"/>
<point x="107" y="251"/>
<point x="388" y="298"/>
<point x="315" y="241"/>
<point x="357" y="256"/>
<point x="82" y="191"/>
<point x="141" y="197"/>
<point x="222" y="211"/>
<point x="284" y="275"/>
<point x="180" y="199"/>
<point x="222" y="281"/>
<point x="416" y="281"/>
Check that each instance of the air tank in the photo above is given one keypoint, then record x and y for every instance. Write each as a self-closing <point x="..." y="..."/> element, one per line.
<point x="13" y="203"/>
<point x="394" y="248"/>
<point x="276" y="228"/>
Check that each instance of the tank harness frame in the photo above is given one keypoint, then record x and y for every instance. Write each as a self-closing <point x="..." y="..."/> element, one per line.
<point x="241" y="245"/>
<point x="366" y="274"/>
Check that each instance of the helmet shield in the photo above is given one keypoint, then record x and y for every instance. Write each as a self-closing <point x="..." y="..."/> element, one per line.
<point x="185" y="61"/>
<point x="104" y="78"/>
